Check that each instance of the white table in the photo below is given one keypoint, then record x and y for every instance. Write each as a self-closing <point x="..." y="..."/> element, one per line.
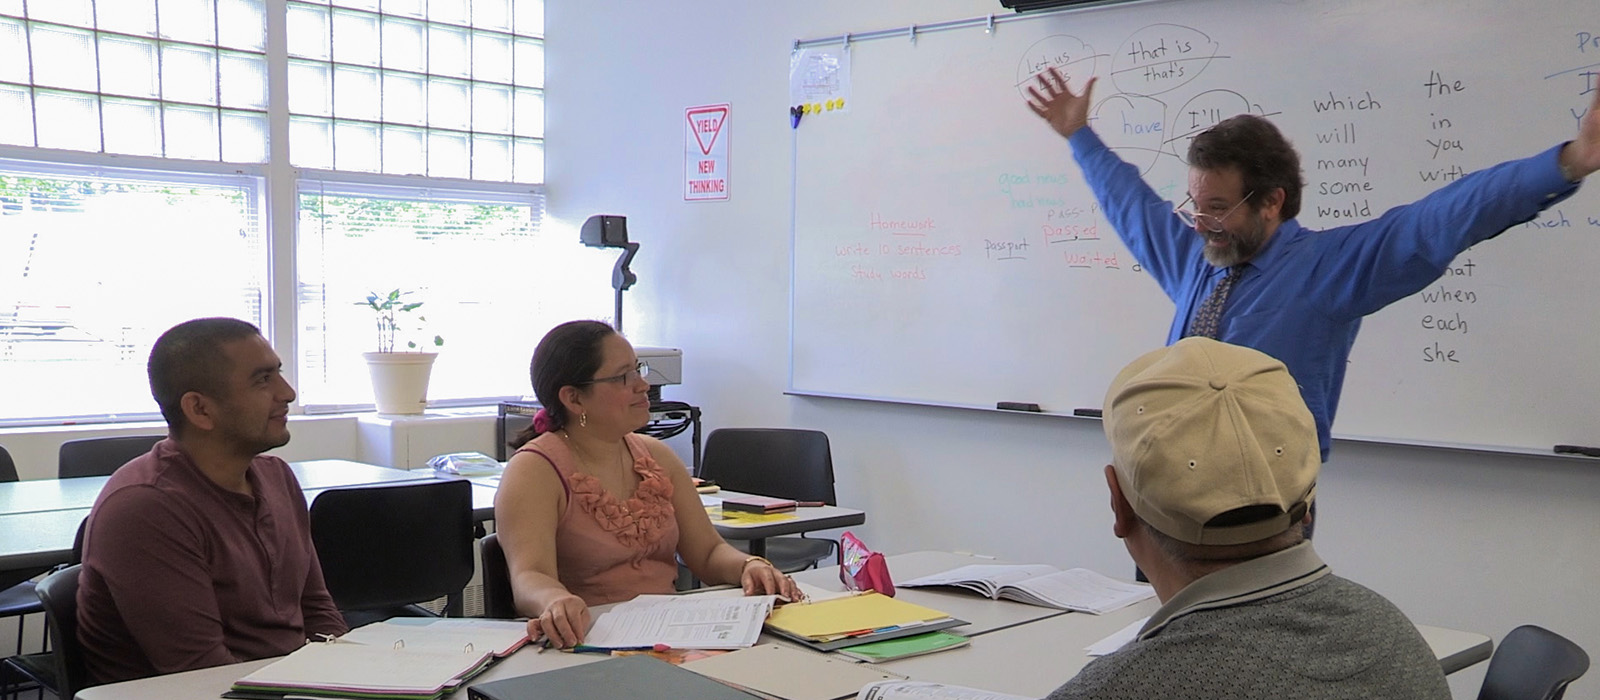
<point x="807" y="519"/>
<point x="1017" y="648"/>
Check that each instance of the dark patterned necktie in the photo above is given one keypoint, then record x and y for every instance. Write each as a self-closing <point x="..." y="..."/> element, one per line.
<point x="1209" y="317"/>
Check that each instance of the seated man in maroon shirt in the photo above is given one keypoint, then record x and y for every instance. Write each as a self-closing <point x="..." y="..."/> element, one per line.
<point x="199" y="553"/>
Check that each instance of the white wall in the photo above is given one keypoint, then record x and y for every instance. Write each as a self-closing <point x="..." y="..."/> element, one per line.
<point x="1471" y="541"/>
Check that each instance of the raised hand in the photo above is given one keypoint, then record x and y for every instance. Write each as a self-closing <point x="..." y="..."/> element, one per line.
<point x="1055" y="102"/>
<point x="1582" y="155"/>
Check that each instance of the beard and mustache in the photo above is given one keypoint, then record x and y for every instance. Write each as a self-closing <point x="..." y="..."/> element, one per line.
<point x="1240" y="244"/>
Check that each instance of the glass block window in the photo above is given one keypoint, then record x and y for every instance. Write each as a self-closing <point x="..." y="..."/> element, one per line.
<point x="167" y="78"/>
<point x="490" y="278"/>
<point x="442" y="88"/>
<point x="96" y="263"/>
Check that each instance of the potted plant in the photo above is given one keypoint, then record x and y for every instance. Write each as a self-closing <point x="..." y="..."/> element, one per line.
<point x="399" y="379"/>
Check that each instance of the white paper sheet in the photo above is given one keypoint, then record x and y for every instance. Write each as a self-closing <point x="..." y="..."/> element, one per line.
<point x="682" y="622"/>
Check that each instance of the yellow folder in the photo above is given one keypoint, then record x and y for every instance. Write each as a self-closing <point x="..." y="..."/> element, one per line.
<point x="849" y="614"/>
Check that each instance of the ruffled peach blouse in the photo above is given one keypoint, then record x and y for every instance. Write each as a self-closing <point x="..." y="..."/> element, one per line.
<point x="610" y="549"/>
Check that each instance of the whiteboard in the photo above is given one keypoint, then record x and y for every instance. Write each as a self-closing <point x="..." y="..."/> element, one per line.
<point x="947" y="251"/>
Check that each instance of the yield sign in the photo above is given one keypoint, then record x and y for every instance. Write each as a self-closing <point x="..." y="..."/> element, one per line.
<point x="706" y="124"/>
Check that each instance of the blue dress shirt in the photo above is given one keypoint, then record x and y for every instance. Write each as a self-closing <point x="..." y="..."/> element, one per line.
<point x="1302" y="297"/>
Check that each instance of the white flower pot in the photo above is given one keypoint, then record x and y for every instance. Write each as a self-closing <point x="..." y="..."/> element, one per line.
<point x="400" y="380"/>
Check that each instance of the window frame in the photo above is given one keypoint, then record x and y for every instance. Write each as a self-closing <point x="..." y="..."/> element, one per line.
<point x="277" y="187"/>
<point x="336" y="183"/>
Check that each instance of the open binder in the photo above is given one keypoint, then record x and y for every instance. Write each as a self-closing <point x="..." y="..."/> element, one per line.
<point x="401" y="659"/>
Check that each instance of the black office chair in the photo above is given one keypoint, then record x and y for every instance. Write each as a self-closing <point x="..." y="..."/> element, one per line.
<point x="101" y="456"/>
<point x="1533" y="663"/>
<point x="777" y="462"/>
<point x="60" y="671"/>
<point x="19" y="600"/>
<point x="498" y="600"/>
<point x="384" y="549"/>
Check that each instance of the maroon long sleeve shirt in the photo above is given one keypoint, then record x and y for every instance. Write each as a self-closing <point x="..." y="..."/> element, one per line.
<point x="179" y="573"/>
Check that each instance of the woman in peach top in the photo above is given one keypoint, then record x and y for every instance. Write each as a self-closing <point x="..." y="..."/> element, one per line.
<point x="590" y="512"/>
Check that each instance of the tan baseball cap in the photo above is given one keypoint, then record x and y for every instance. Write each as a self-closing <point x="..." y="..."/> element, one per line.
<point x="1201" y="428"/>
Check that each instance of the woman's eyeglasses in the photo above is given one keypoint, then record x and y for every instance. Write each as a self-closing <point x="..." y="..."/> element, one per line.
<point x="639" y="371"/>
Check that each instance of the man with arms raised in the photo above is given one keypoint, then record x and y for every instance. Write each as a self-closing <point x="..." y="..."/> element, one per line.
<point x="1241" y="269"/>
<point x="199" y="553"/>
<point x="1214" y="470"/>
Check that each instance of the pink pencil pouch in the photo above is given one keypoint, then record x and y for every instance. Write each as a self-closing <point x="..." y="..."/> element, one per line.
<point x="861" y="569"/>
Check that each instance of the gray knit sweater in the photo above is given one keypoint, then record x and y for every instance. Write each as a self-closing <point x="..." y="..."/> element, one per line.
<point x="1280" y="626"/>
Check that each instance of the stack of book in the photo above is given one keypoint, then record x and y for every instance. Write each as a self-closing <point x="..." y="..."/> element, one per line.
<point x="759" y="504"/>
<point x="859" y="619"/>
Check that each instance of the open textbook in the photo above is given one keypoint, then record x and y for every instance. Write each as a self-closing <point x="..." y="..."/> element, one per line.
<point x="1041" y="584"/>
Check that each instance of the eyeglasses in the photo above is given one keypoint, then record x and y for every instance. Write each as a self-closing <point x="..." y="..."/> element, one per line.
<point x="1206" y="222"/>
<point x="639" y="371"/>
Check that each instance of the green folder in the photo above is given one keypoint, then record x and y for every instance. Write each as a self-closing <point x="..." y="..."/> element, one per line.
<point x="916" y="645"/>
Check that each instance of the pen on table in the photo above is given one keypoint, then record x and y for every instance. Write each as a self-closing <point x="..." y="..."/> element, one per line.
<point x="586" y="649"/>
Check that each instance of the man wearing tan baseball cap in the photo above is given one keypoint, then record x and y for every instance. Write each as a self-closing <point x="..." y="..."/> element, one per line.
<point x="1215" y="467"/>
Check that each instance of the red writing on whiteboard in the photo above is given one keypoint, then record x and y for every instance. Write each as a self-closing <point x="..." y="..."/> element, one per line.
<point x="864" y="273"/>
<point x="1071" y="232"/>
<point x="902" y="227"/>
<point x="918" y="249"/>
<point x="1106" y="261"/>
